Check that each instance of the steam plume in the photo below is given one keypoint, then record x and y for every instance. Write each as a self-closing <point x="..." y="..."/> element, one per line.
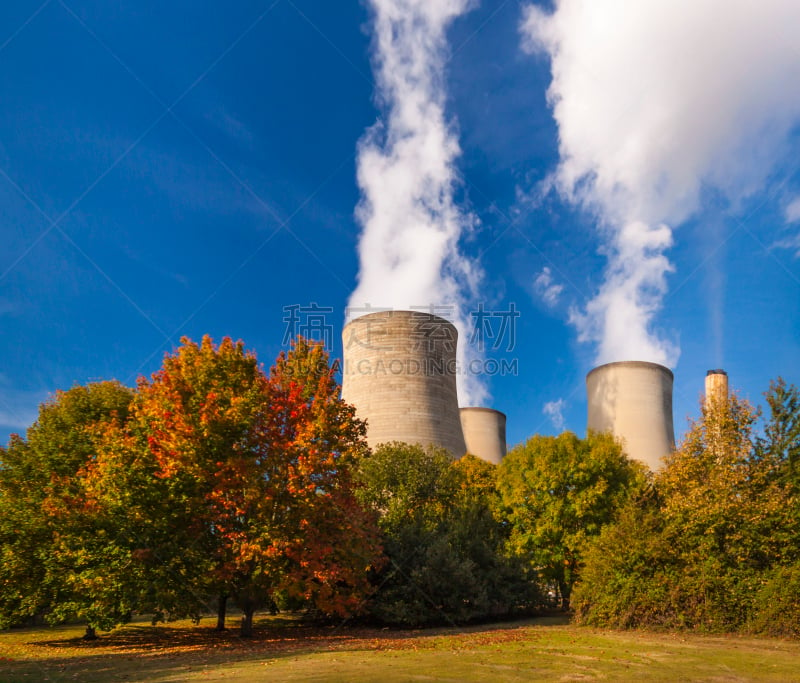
<point x="656" y="104"/>
<point x="408" y="251"/>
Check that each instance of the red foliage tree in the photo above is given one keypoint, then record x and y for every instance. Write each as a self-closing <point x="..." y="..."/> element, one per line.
<point x="254" y="471"/>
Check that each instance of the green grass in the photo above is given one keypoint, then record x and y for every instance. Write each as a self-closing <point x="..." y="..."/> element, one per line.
<point x="285" y="650"/>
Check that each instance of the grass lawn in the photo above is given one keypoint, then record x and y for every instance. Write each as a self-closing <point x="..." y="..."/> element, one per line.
<point x="547" y="648"/>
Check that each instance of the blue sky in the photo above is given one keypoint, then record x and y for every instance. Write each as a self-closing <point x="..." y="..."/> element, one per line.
<point x="190" y="168"/>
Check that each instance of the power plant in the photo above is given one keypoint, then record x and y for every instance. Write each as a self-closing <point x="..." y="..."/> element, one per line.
<point x="400" y="374"/>
<point x="633" y="401"/>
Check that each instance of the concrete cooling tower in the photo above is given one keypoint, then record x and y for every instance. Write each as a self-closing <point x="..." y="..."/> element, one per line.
<point x="633" y="400"/>
<point x="399" y="373"/>
<point x="484" y="433"/>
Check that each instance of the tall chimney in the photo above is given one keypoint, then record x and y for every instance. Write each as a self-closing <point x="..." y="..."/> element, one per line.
<point x="716" y="386"/>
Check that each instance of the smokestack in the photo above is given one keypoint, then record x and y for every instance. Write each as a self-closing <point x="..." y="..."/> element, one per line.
<point x="484" y="433"/>
<point x="399" y="373"/>
<point x="716" y="386"/>
<point x="633" y="401"/>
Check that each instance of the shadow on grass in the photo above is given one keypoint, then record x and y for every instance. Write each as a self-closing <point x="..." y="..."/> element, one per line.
<point x="141" y="652"/>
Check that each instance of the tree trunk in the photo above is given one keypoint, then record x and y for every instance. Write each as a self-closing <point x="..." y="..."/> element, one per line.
<point x="90" y="633"/>
<point x="565" y="589"/>
<point x="222" y="605"/>
<point x="246" y="630"/>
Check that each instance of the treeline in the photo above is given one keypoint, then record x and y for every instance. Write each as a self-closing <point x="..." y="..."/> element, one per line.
<point x="215" y="483"/>
<point x="713" y="543"/>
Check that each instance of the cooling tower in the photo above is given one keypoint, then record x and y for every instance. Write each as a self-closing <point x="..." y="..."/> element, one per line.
<point x="633" y="400"/>
<point x="399" y="373"/>
<point x="716" y="386"/>
<point x="484" y="433"/>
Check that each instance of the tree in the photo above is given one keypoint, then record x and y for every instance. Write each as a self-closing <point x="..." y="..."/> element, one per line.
<point x="196" y="426"/>
<point x="246" y="477"/>
<point x="714" y="545"/>
<point x="557" y="493"/>
<point x="480" y="532"/>
<point x="444" y="544"/>
<point x="48" y="531"/>
<point x="729" y="513"/>
<point x="782" y="431"/>
<point x="412" y="488"/>
<point x="24" y="534"/>
<point x="628" y="576"/>
<point x="338" y="543"/>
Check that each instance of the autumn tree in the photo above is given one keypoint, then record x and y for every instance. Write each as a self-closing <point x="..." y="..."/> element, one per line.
<point x="50" y="533"/>
<point x="557" y="493"/>
<point x="714" y="545"/>
<point x="729" y="511"/>
<point x="335" y="539"/>
<point x="24" y="537"/>
<point x="239" y="483"/>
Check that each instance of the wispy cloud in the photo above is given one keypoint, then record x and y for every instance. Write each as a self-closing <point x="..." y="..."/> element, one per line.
<point x="655" y="103"/>
<point x="791" y="243"/>
<point x="555" y="411"/>
<point x="791" y="216"/>
<point x="229" y="125"/>
<point x="546" y="288"/>
<point x="792" y="211"/>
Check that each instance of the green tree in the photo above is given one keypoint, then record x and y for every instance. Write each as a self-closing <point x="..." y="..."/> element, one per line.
<point x="629" y="574"/>
<point x="444" y="544"/>
<point x="24" y="536"/>
<point x="557" y="493"/>
<point x="412" y="489"/>
<point x="781" y="440"/>
<point x="480" y="532"/>
<point x="49" y="532"/>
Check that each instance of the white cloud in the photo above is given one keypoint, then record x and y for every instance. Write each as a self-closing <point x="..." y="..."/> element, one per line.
<point x="791" y="243"/>
<point x="791" y="215"/>
<point x="546" y="289"/>
<point x="792" y="211"/>
<point x="411" y="225"/>
<point x="555" y="411"/>
<point x="655" y="102"/>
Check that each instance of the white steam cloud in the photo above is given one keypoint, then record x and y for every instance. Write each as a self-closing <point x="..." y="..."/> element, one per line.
<point x="411" y="226"/>
<point x="657" y="103"/>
